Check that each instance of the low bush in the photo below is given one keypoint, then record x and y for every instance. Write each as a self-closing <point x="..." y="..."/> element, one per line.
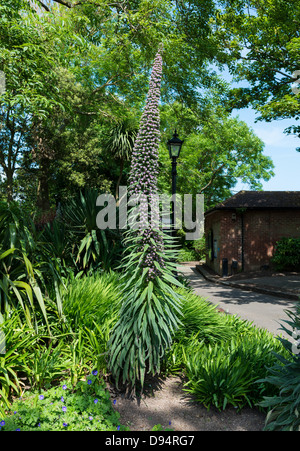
<point x="222" y="356"/>
<point x="284" y="375"/>
<point x="92" y="300"/>
<point x="87" y="407"/>
<point x="227" y="373"/>
<point x="287" y="254"/>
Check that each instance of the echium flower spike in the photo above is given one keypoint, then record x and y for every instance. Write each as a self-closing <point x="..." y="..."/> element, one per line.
<point x="144" y="168"/>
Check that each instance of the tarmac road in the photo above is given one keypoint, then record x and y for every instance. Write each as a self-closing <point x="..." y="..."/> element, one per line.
<point x="265" y="311"/>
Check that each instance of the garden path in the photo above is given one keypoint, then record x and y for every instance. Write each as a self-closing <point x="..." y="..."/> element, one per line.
<point x="265" y="311"/>
<point x="164" y="402"/>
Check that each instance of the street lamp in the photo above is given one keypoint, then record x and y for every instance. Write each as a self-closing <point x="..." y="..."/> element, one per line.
<point x="174" y="146"/>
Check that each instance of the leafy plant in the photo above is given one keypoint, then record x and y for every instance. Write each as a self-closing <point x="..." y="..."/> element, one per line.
<point x="87" y="407"/>
<point x="201" y="317"/>
<point x="92" y="300"/>
<point x="284" y="375"/>
<point x="92" y="248"/>
<point x="227" y="373"/>
<point x="19" y="342"/>
<point x="47" y="365"/>
<point x="27" y="272"/>
<point x="287" y="254"/>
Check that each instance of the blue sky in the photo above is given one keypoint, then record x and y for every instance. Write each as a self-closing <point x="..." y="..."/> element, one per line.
<point x="280" y="147"/>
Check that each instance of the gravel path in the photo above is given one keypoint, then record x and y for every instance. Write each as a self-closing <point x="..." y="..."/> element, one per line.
<point x="165" y="401"/>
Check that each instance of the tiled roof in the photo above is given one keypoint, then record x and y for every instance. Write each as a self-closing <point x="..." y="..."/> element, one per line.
<point x="261" y="199"/>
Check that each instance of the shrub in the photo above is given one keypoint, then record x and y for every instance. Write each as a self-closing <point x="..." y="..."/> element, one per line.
<point x="93" y="299"/>
<point x="222" y="356"/>
<point x="227" y="373"/>
<point x="284" y="407"/>
<point x="85" y="408"/>
<point x="287" y="254"/>
<point x="202" y="318"/>
<point x="19" y="341"/>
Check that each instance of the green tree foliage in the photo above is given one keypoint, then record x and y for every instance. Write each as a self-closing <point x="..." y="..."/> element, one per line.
<point x="76" y="69"/>
<point x="27" y="62"/>
<point x="218" y="150"/>
<point x="261" y="42"/>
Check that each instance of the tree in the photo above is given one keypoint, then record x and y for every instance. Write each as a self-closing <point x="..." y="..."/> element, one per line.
<point x="218" y="150"/>
<point x="28" y="65"/>
<point x="261" y="41"/>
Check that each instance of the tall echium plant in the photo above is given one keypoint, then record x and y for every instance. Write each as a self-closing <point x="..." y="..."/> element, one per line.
<point x="151" y="309"/>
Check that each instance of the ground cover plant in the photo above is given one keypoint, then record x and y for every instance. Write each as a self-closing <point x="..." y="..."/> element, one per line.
<point x="85" y="407"/>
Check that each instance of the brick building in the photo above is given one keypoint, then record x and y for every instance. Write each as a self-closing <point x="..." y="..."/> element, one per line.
<point x="244" y="229"/>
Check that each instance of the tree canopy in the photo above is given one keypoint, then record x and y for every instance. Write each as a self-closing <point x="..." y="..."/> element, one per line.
<point x="261" y="42"/>
<point x="77" y="72"/>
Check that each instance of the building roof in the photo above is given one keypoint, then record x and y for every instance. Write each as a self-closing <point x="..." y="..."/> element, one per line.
<point x="260" y="200"/>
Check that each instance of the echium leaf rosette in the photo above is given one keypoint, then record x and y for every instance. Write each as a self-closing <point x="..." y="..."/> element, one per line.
<point x="151" y="308"/>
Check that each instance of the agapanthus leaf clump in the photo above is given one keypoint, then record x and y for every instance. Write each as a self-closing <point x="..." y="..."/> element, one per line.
<point x="150" y="311"/>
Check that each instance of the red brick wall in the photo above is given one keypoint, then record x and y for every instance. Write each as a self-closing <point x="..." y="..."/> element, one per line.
<point x="262" y="228"/>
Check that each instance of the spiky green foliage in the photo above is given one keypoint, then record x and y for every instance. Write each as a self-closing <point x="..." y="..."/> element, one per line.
<point x="149" y="317"/>
<point x="284" y="407"/>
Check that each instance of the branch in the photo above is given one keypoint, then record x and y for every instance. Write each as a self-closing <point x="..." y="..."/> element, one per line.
<point x="214" y="174"/>
<point x="64" y="3"/>
<point x="44" y="6"/>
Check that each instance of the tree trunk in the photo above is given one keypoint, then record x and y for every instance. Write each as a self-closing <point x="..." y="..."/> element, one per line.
<point x="43" y="201"/>
<point x="9" y="184"/>
<point x="119" y="180"/>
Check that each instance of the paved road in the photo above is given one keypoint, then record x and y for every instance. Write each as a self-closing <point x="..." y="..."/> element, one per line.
<point x="264" y="311"/>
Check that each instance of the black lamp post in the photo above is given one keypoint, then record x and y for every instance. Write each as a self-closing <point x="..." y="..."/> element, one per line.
<point x="174" y="146"/>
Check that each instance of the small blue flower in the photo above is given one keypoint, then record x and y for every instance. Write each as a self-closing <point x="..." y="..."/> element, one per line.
<point x="89" y="381"/>
<point x="115" y="401"/>
<point x="62" y="399"/>
<point x="18" y="429"/>
<point x="64" y="387"/>
<point x="169" y="423"/>
<point x="2" y="423"/>
<point x="94" y="373"/>
<point x="64" y="409"/>
<point x="41" y="397"/>
<point x="118" y="428"/>
<point x="95" y="401"/>
<point x="90" y="418"/>
<point x="65" y="425"/>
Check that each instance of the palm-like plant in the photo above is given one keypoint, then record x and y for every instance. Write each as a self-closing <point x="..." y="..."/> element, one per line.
<point x="27" y="272"/>
<point x="119" y="143"/>
<point x="92" y="248"/>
